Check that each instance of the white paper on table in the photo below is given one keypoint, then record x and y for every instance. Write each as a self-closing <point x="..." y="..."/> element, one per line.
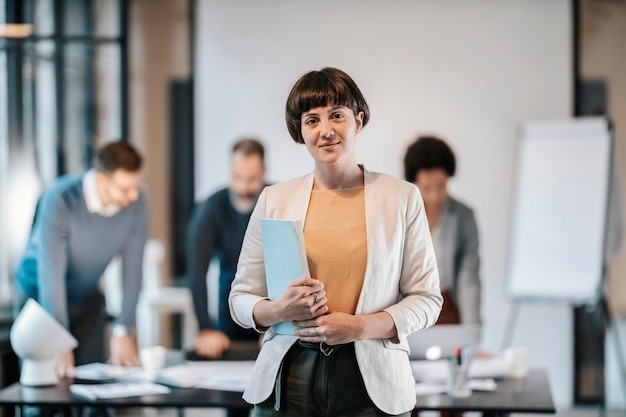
<point x="226" y="375"/>
<point x="182" y="376"/>
<point x="435" y="388"/>
<point x="484" y="384"/>
<point x="496" y="367"/>
<point x="98" y="371"/>
<point x="117" y="390"/>
<point x="221" y="375"/>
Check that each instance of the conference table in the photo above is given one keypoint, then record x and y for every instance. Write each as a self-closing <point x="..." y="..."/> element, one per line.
<point x="531" y="395"/>
<point x="525" y="395"/>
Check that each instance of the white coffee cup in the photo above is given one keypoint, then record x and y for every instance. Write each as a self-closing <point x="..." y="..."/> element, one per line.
<point x="152" y="359"/>
<point x="518" y="360"/>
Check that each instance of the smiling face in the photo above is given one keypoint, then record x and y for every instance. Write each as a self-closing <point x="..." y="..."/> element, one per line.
<point x="329" y="134"/>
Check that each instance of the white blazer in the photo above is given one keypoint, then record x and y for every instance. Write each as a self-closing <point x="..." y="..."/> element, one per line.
<point x="401" y="278"/>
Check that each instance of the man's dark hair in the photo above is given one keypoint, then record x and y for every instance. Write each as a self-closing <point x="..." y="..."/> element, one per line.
<point x="249" y="146"/>
<point x="117" y="155"/>
<point x="327" y="87"/>
<point x="428" y="152"/>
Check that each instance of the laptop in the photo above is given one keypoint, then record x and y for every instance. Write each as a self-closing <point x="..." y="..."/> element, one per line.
<point x="442" y="340"/>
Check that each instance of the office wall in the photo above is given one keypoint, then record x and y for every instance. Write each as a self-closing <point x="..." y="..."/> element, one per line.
<point x="602" y="35"/>
<point x="469" y="71"/>
<point x="159" y="53"/>
<point x="603" y="31"/>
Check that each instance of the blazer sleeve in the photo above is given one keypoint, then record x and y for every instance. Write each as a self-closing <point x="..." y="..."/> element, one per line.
<point x="248" y="287"/>
<point x="468" y="281"/>
<point x="420" y="296"/>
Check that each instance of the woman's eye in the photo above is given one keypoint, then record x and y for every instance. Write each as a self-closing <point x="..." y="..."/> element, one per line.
<point x="310" y="121"/>
<point x="338" y="116"/>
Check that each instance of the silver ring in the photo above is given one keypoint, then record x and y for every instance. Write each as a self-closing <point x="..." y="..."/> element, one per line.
<point x="314" y="331"/>
<point x="316" y="297"/>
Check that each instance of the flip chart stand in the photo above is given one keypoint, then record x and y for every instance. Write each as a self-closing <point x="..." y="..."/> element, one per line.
<point x="581" y="149"/>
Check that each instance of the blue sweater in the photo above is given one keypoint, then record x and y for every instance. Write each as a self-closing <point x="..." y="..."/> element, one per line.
<point x="216" y="229"/>
<point x="69" y="249"/>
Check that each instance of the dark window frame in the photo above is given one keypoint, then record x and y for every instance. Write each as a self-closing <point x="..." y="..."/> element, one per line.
<point x="22" y="12"/>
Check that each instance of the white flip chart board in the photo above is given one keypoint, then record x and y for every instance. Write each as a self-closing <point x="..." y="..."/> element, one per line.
<point x="559" y="209"/>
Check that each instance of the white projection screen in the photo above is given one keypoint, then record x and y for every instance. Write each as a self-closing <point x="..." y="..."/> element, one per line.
<point x="560" y="209"/>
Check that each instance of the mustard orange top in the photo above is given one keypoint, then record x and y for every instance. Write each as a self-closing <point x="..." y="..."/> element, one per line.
<point x="335" y="237"/>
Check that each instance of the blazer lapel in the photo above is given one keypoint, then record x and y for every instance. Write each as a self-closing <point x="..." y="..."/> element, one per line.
<point x="298" y="200"/>
<point x="370" y="230"/>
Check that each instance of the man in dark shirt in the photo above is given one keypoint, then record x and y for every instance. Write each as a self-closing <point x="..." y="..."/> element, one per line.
<point x="216" y="229"/>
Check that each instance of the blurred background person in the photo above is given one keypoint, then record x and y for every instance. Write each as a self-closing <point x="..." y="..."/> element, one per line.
<point x="81" y="223"/>
<point x="429" y="163"/>
<point x="216" y="230"/>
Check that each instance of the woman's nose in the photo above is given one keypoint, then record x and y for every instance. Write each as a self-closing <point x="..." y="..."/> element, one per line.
<point x="326" y="129"/>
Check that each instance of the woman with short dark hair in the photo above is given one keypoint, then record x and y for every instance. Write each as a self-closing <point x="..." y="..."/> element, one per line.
<point x="373" y="272"/>
<point x="429" y="163"/>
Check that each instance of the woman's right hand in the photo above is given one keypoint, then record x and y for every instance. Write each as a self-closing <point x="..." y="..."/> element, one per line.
<point x="303" y="299"/>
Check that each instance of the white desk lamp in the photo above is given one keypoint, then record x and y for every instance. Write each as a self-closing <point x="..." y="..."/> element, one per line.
<point x="36" y="337"/>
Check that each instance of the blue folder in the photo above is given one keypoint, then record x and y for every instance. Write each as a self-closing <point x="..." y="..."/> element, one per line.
<point x="285" y="259"/>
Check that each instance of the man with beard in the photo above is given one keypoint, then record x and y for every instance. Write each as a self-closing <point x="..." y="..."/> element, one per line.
<point x="216" y="230"/>
<point x="81" y="223"/>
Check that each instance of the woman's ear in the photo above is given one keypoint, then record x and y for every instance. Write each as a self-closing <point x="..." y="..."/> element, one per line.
<point x="359" y="121"/>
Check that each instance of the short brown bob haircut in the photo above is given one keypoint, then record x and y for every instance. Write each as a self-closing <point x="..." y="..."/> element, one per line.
<point x="117" y="155"/>
<point x="327" y="87"/>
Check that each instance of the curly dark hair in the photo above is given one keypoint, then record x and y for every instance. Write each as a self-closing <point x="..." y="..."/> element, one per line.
<point x="428" y="152"/>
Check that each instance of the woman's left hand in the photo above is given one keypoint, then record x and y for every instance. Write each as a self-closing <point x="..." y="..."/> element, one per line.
<point x="332" y="329"/>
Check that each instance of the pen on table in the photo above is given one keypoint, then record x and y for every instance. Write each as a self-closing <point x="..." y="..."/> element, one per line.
<point x="466" y="354"/>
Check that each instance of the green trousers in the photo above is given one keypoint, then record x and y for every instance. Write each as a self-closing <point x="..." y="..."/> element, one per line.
<point x="316" y="383"/>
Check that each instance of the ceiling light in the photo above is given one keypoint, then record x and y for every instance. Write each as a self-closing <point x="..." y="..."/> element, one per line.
<point x="15" y="30"/>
